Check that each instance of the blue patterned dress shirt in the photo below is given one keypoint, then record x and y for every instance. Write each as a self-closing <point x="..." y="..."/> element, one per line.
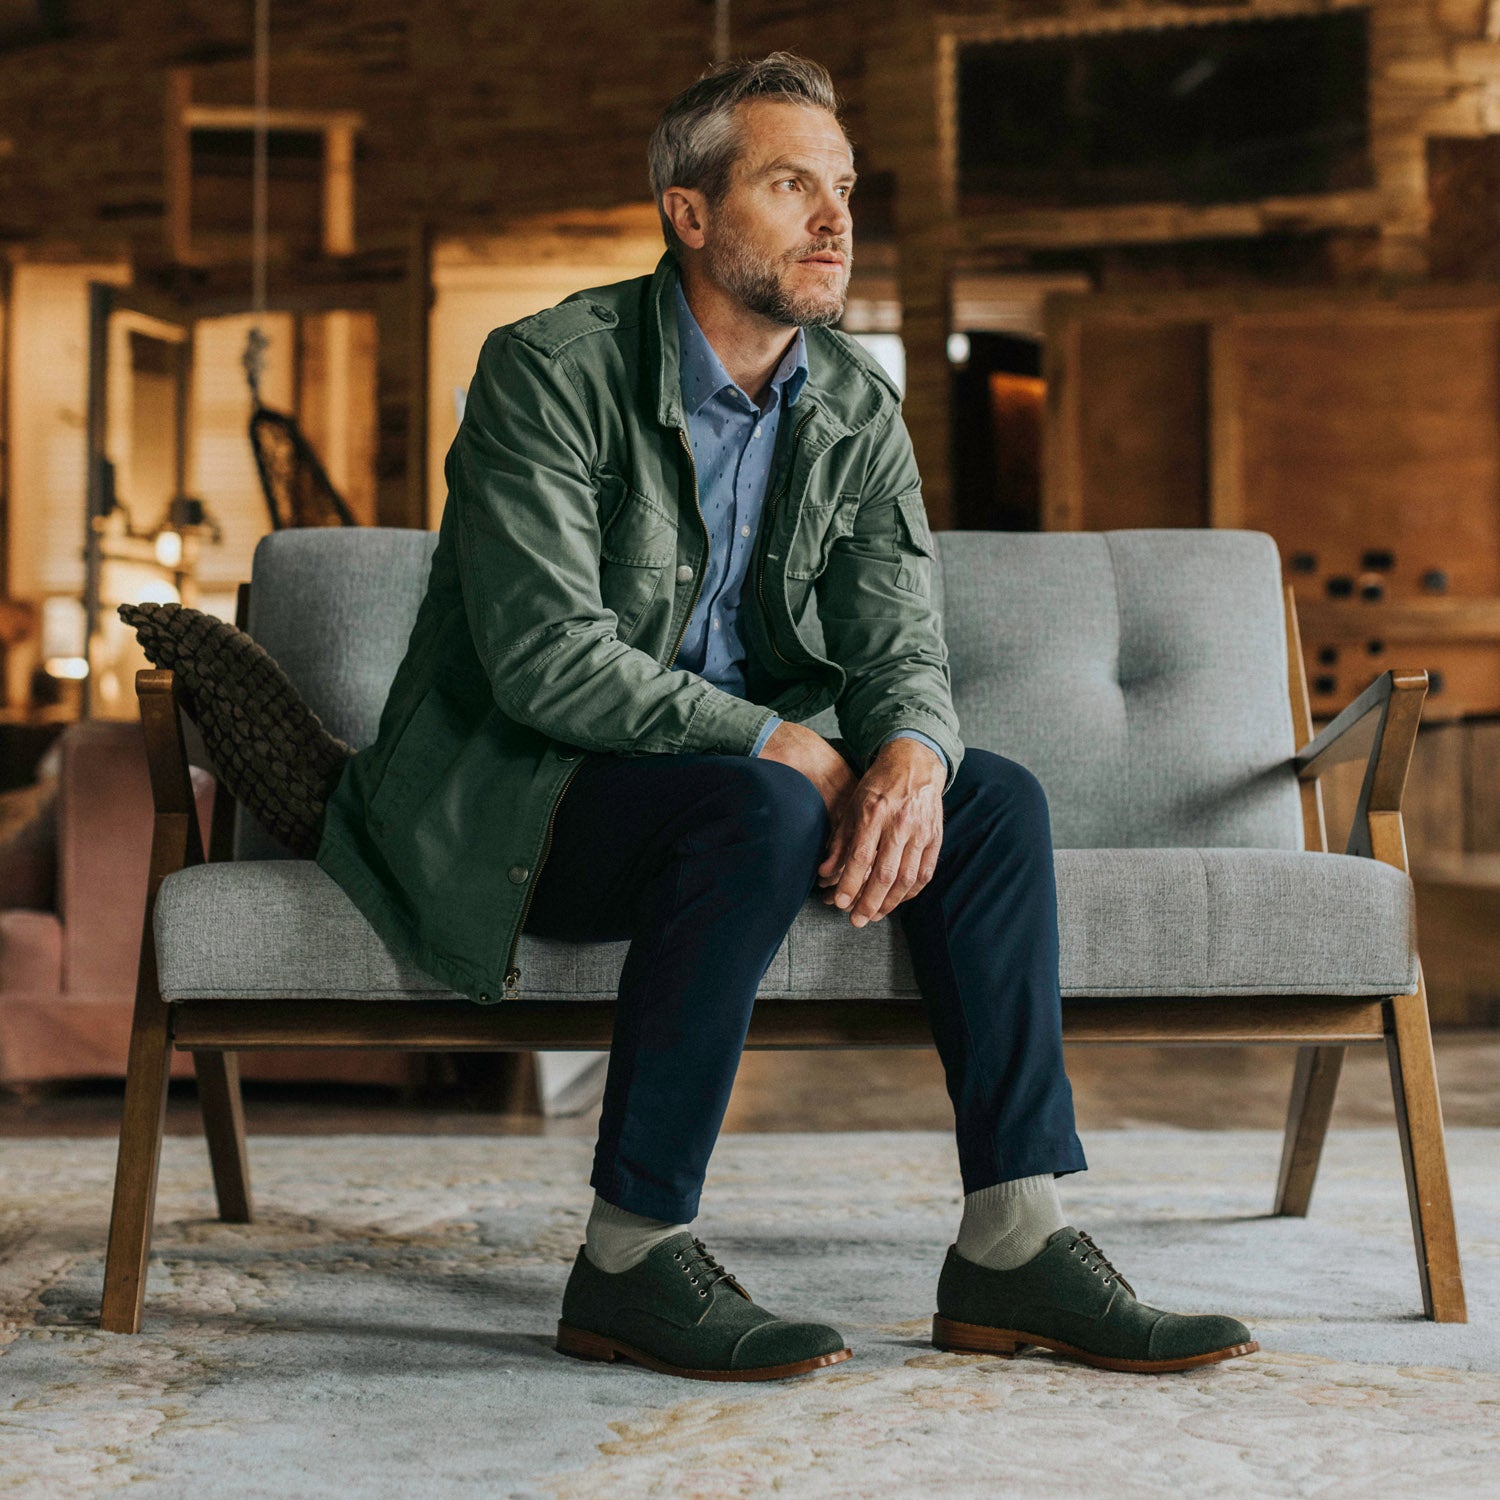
<point x="733" y="441"/>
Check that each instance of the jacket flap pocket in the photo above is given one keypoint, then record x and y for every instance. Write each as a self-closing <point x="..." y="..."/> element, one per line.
<point x="820" y="527"/>
<point x="913" y="515"/>
<point x="638" y="533"/>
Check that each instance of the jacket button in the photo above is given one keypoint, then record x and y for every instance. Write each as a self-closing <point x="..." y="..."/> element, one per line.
<point x="567" y="755"/>
<point x="518" y="874"/>
<point x="483" y="998"/>
<point x="684" y="573"/>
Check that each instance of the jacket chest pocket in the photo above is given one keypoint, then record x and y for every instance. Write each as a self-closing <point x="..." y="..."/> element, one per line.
<point x="637" y="551"/>
<point x="819" y="527"/>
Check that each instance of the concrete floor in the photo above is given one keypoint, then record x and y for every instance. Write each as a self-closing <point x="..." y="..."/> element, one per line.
<point x="1114" y="1087"/>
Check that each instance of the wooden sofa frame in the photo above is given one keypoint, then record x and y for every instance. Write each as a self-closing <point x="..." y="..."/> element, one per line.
<point x="1320" y="1026"/>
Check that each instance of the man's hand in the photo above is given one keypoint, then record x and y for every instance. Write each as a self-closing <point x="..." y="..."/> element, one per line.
<point x="807" y="750"/>
<point x="885" y="847"/>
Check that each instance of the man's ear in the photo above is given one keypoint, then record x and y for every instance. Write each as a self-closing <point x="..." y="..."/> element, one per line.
<point x="687" y="209"/>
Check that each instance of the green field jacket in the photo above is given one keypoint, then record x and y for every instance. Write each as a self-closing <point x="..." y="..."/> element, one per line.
<point x="569" y="557"/>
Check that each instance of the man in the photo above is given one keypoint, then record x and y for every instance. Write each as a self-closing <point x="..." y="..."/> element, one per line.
<point x="659" y="491"/>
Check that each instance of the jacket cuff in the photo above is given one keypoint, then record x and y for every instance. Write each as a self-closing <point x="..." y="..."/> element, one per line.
<point x="765" y="734"/>
<point x="726" y="724"/>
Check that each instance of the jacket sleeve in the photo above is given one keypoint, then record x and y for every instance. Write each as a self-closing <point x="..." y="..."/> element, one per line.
<point x="521" y="474"/>
<point x="875" y="606"/>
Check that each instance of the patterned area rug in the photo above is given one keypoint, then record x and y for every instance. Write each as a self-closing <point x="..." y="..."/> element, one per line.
<point x="384" y="1329"/>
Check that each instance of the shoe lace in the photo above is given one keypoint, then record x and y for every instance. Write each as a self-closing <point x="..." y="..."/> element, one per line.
<point x="1092" y="1251"/>
<point x="704" y="1271"/>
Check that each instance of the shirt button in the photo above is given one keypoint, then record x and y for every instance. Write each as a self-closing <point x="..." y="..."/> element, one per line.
<point x="684" y="573"/>
<point x="716" y="624"/>
<point x="744" y="531"/>
<point x="518" y="874"/>
<point x="757" y="432"/>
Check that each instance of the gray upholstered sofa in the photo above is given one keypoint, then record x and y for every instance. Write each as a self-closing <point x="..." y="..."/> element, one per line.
<point x="1151" y="679"/>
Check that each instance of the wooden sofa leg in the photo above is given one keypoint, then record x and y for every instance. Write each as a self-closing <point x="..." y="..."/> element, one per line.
<point x="224" y="1125"/>
<point x="1419" y="1122"/>
<point x="1314" y="1084"/>
<point x="136" y="1168"/>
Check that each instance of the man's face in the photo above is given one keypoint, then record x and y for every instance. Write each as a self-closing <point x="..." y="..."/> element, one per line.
<point x="781" y="241"/>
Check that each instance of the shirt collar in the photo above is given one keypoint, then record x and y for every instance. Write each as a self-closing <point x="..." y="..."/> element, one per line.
<point x="703" y="372"/>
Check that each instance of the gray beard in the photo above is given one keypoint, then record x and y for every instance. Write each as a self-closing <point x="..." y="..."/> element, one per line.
<point x="755" y="283"/>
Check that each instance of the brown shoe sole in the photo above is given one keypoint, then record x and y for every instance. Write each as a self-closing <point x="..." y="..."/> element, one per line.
<point x="584" y="1345"/>
<point x="978" y="1338"/>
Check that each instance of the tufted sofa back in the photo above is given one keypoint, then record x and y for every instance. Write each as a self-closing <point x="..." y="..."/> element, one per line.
<point x="1142" y="675"/>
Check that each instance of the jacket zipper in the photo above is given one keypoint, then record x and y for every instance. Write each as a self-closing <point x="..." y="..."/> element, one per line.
<point x="698" y="507"/>
<point x="512" y="973"/>
<point x="760" y="577"/>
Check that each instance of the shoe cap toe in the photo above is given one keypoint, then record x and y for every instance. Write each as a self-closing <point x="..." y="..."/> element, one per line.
<point x="1182" y="1335"/>
<point x="783" y="1343"/>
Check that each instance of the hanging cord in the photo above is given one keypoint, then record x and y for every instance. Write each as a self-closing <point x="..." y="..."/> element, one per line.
<point x="254" y="358"/>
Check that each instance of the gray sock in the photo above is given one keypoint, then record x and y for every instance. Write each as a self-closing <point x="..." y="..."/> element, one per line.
<point x="1006" y="1225"/>
<point x="617" y="1239"/>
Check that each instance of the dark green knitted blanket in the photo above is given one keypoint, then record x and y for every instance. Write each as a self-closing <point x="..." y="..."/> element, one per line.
<point x="267" y="746"/>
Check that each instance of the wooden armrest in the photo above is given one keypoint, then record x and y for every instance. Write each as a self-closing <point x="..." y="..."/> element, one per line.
<point x="1398" y="697"/>
<point x="176" y="840"/>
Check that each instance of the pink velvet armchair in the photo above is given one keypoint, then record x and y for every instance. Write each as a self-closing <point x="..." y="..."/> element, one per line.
<point x="72" y="902"/>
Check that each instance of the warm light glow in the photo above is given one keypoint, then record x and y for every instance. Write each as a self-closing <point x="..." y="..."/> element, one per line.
<point x="74" y="668"/>
<point x="154" y="591"/>
<point x="169" y="548"/>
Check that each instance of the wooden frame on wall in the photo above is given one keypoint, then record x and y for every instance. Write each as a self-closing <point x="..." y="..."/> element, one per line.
<point x="338" y="128"/>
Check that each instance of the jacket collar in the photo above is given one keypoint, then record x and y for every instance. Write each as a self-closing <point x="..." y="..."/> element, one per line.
<point x="846" y="396"/>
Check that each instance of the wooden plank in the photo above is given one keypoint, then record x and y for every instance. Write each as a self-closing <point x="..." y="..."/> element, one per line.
<point x="245" y="117"/>
<point x="1226" y="483"/>
<point x="175" y="842"/>
<point x="1062" y="436"/>
<point x="1142" y="411"/>
<point x="1482" y="784"/>
<point x="223" y="1113"/>
<point x="1314" y="825"/>
<point x="1419" y="1123"/>
<point x="588" y="1024"/>
<point x="1308" y="1112"/>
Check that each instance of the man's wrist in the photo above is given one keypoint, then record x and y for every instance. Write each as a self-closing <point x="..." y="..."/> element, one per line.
<point x="905" y="747"/>
<point x="912" y="735"/>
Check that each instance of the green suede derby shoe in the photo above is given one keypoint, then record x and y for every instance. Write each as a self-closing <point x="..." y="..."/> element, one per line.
<point x="1068" y="1298"/>
<point x="679" y="1311"/>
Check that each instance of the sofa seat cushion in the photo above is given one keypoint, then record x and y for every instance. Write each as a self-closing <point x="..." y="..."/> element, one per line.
<point x="1133" y="922"/>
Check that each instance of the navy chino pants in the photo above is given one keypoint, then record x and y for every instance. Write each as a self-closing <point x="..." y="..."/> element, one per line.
<point x="704" y="861"/>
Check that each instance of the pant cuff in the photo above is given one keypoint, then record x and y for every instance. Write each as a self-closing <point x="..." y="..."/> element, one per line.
<point x="1060" y="1158"/>
<point x="648" y="1199"/>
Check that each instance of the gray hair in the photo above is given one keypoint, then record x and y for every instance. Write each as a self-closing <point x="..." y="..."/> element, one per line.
<point x="697" y="140"/>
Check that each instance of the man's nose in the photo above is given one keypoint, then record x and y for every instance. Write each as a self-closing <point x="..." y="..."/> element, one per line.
<point x="832" y="216"/>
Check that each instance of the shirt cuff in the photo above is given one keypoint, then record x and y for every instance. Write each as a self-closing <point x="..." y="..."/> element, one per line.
<point x="764" y="735"/>
<point x="912" y="734"/>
